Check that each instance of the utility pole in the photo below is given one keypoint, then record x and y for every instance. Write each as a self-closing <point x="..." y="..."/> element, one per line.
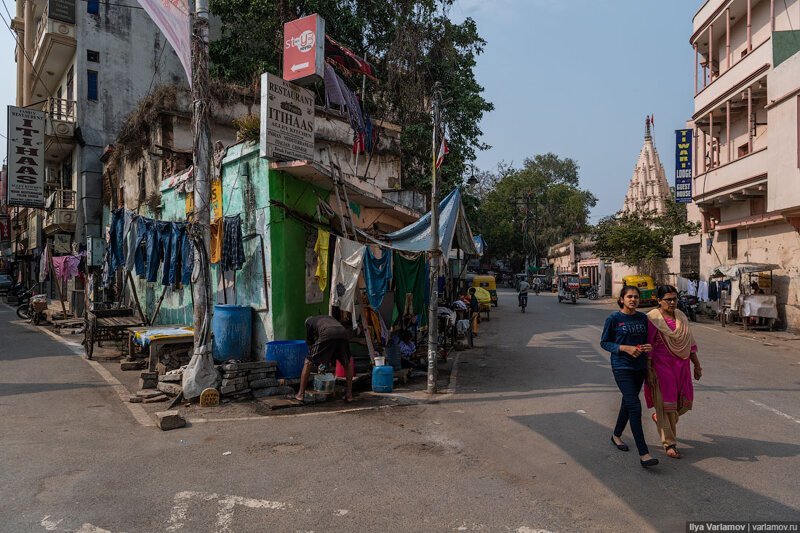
<point x="433" y="323"/>
<point x="202" y="166"/>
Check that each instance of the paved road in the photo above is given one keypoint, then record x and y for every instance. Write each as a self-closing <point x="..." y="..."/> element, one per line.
<point x="522" y="446"/>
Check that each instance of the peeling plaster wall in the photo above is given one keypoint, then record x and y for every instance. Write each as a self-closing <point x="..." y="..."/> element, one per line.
<point x="130" y="45"/>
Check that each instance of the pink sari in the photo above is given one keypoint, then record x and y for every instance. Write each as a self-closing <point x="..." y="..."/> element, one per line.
<point x="672" y="375"/>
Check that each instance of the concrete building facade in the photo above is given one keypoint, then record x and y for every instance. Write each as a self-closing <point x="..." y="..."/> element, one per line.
<point x="86" y="64"/>
<point x="746" y="186"/>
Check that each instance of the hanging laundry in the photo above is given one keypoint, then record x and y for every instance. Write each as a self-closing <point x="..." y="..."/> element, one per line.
<point x="44" y="264"/>
<point x="347" y="58"/>
<point x="377" y="274"/>
<point x="321" y="249"/>
<point x="232" y="244"/>
<point x="333" y="93"/>
<point x="66" y="267"/>
<point x="116" y="238"/>
<point x="216" y="241"/>
<point x="713" y="291"/>
<point x="338" y="93"/>
<point x="132" y="240"/>
<point x="702" y="291"/>
<point x="409" y="278"/>
<point x="347" y="261"/>
<point x="692" y="288"/>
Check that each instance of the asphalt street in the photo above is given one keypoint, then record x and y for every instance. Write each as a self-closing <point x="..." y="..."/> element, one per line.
<point x="522" y="445"/>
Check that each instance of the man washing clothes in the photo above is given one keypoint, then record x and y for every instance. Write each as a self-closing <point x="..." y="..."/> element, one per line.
<point x="327" y="341"/>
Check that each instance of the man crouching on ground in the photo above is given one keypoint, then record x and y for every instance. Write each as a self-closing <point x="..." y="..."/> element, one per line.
<point x="327" y="341"/>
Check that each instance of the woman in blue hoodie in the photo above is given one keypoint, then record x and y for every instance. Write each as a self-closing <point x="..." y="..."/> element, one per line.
<point x="625" y="336"/>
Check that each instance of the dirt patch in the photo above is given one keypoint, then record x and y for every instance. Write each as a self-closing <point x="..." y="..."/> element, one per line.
<point x="270" y="448"/>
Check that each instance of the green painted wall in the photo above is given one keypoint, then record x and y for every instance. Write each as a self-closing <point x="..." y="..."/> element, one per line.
<point x="289" y="238"/>
<point x="247" y="187"/>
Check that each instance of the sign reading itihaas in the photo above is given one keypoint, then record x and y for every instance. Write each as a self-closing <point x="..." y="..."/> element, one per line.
<point x="25" y="157"/>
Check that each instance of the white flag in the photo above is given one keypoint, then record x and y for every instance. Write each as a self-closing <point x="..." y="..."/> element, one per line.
<point x="172" y="18"/>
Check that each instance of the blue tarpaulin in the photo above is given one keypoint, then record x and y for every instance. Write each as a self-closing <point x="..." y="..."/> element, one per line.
<point x="454" y="230"/>
<point x="480" y="244"/>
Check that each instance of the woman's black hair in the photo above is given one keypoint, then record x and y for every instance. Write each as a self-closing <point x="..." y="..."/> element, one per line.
<point x="625" y="290"/>
<point x="663" y="290"/>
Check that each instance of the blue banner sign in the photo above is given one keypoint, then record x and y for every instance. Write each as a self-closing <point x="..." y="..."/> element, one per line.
<point x="683" y="166"/>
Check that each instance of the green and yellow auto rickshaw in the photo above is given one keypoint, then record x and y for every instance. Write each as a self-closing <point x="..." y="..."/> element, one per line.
<point x="489" y="284"/>
<point x="646" y="286"/>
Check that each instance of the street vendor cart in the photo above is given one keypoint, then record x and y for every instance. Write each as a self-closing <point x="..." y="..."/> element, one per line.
<point x="750" y="301"/>
<point x="108" y="325"/>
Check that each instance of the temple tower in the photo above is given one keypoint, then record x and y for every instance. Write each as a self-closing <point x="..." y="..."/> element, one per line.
<point x="648" y="190"/>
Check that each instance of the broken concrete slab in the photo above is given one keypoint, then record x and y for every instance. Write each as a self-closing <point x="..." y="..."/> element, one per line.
<point x="167" y="420"/>
<point x="263" y="383"/>
<point x="155" y="399"/>
<point x="131" y="365"/>
<point x="149" y="393"/>
<point x="172" y="389"/>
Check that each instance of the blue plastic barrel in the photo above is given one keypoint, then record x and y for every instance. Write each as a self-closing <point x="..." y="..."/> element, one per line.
<point x="232" y="326"/>
<point x="290" y="356"/>
<point x="382" y="379"/>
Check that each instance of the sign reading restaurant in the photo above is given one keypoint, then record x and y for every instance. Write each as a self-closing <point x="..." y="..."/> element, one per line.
<point x="683" y="166"/>
<point x="287" y="120"/>
<point x="25" y="157"/>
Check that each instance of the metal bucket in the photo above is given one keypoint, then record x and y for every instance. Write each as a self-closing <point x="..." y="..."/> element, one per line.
<point x="324" y="382"/>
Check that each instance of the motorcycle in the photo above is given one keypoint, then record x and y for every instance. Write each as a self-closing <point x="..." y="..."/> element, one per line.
<point x="688" y="304"/>
<point x="23" y="301"/>
<point x="523" y="300"/>
<point x="592" y="293"/>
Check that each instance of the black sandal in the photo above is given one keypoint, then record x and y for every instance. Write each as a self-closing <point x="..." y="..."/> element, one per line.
<point x="674" y="448"/>
<point x="621" y="447"/>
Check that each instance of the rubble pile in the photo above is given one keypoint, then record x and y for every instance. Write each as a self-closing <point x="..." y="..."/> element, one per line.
<point x="245" y="379"/>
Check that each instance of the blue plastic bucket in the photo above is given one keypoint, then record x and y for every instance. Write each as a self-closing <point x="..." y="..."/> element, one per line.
<point x="232" y="327"/>
<point x="290" y="356"/>
<point x="382" y="379"/>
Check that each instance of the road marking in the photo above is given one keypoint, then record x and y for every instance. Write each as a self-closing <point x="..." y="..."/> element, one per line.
<point x="136" y="410"/>
<point x="779" y="413"/>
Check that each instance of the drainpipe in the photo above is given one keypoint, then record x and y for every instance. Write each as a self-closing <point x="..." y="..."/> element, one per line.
<point x="749" y="28"/>
<point x="727" y="38"/>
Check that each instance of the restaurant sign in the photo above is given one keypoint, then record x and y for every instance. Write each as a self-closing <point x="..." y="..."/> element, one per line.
<point x="63" y="10"/>
<point x="287" y="120"/>
<point x="25" y="157"/>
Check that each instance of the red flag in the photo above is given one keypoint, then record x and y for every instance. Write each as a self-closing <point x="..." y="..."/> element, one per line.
<point x="443" y="151"/>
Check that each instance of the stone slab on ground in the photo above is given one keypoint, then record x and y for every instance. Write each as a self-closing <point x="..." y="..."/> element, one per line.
<point x="148" y="383"/>
<point x="171" y="378"/>
<point x="167" y="420"/>
<point x="135" y="399"/>
<point x="173" y="389"/>
<point x="280" y="403"/>
<point x="160" y="398"/>
<point x="149" y="393"/>
<point x="263" y="383"/>
<point x="250" y="365"/>
<point x="272" y="391"/>
<point x="233" y="381"/>
<point x="132" y="365"/>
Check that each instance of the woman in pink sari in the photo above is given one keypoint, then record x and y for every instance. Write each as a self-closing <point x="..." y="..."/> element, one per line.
<point x="669" y="383"/>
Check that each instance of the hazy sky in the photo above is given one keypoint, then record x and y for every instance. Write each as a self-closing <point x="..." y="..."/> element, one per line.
<point x="573" y="77"/>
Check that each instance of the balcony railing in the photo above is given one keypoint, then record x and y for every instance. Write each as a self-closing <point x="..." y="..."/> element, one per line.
<point x="61" y="199"/>
<point x="61" y="109"/>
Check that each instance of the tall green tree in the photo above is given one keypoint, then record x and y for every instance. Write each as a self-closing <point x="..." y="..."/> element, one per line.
<point x="414" y="47"/>
<point x="642" y="239"/>
<point x="529" y="209"/>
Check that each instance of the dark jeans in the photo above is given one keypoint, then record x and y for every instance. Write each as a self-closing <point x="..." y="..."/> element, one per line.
<point x="630" y="384"/>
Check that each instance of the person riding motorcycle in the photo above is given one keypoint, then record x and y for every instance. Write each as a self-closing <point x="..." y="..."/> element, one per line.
<point x="523" y="288"/>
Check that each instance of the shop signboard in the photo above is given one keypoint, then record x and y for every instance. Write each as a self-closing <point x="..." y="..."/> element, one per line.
<point x="62" y="10"/>
<point x="5" y="232"/>
<point x="683" y="166"/>
<point x="287" y="120"/>
<point x="304" y="49"/>
<point x="25" y="157"/>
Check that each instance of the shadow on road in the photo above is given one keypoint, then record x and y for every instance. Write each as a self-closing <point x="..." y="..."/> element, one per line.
<point x="13" y="389"/>
<point x="675" y="491"/>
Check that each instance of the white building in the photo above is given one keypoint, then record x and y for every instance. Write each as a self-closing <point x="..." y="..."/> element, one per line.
<point x="746" y="186"/>
<point x="87" y="64"/>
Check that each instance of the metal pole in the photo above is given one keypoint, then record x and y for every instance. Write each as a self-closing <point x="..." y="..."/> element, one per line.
<point x="202" y="191"/>
<point x="433" y="324"/>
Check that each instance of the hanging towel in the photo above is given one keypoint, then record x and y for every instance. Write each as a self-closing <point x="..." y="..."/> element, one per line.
<point x="66" y="267"/>
<point x="713" y="291"/>
<point x="216" y="241"/>
<point x="377" y="274"/>
<point x="44" y="264"/>
<point x="702" y="291"/>
<point x="347" y="261"/>
<point x="321" y="249"/>
<point x="409" y="278"/>
<point x="692" y="289"/>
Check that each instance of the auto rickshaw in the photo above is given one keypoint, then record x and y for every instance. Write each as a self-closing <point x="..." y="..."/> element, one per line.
<point x="489" y="284"/>
<point x="484" y="299"/>
<point x="583" y="290"/>
<point x="646" y="286"/>
<point x="568" y="287"/>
